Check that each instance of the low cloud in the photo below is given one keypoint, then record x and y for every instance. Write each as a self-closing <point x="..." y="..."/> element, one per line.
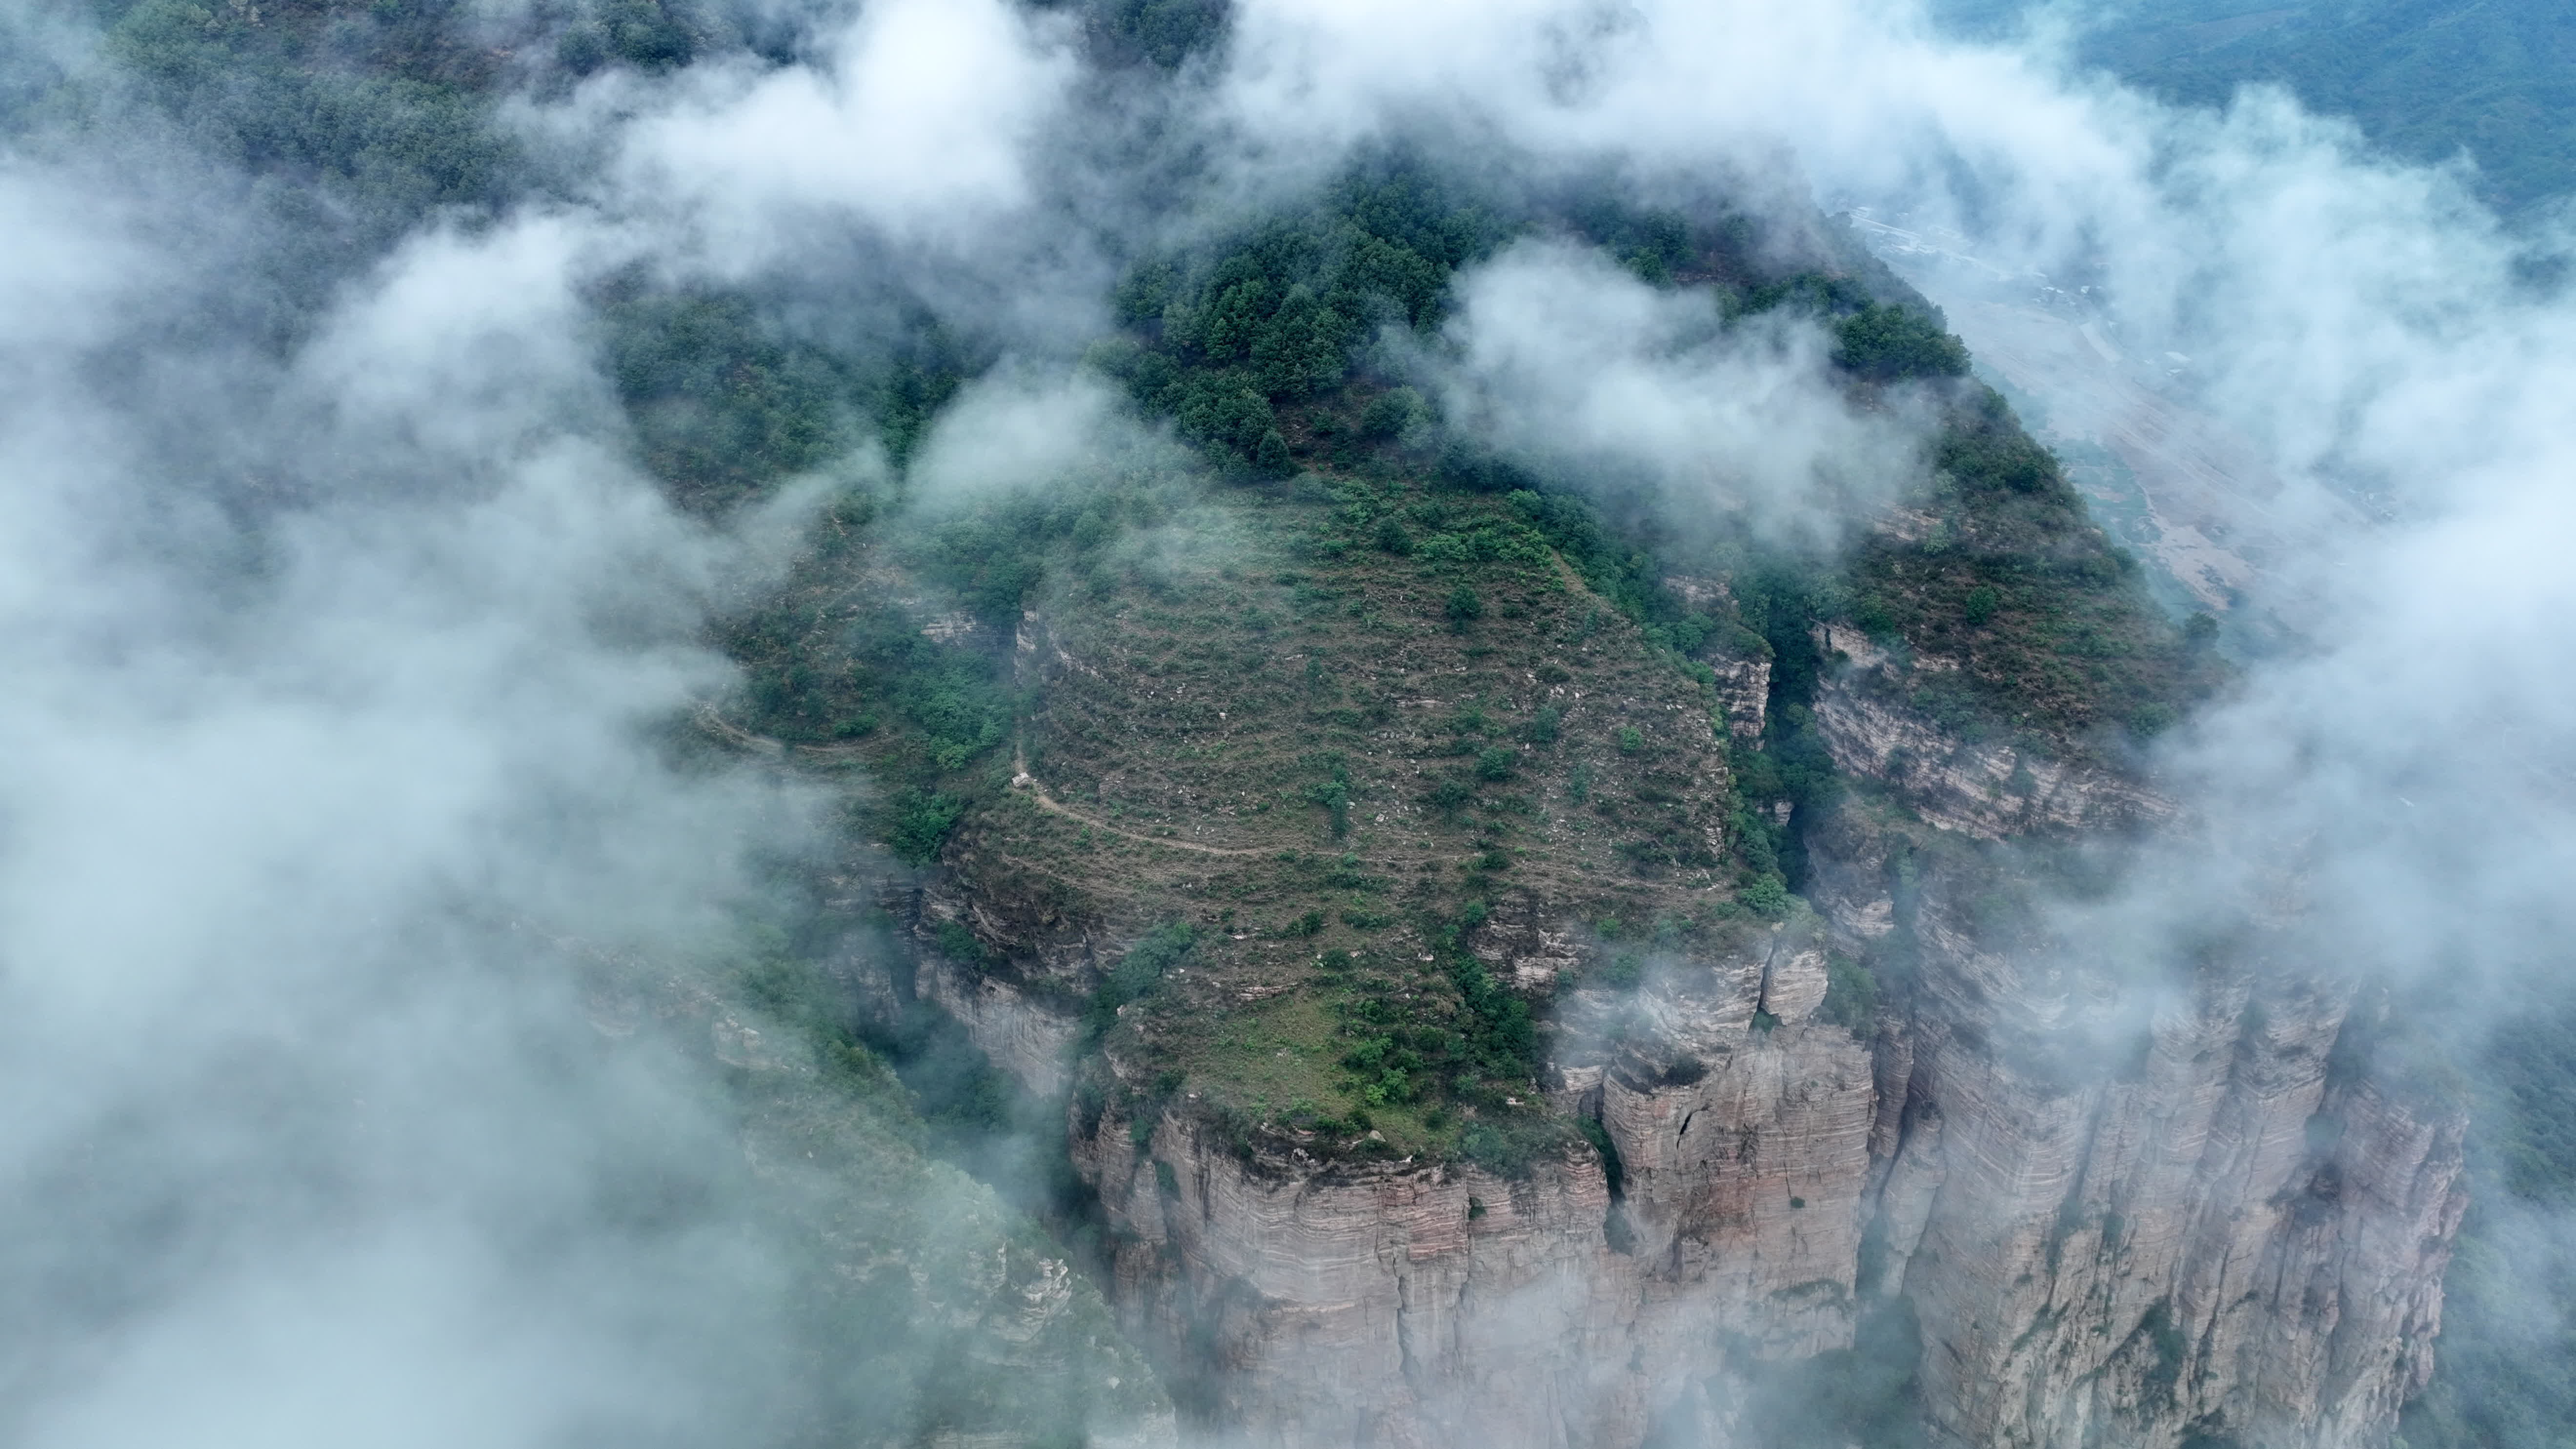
<point x="323" y="722"/>
<point x="917" y="123"/>
<point x="1567" y="360"/>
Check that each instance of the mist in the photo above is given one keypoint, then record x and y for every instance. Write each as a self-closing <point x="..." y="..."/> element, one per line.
<point x="347" y="657"/>
<point x="1585" y="371"/>
<point x="326" y="718"/>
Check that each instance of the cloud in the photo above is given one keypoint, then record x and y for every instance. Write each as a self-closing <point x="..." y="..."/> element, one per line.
<point x="310" y="1140"/>
<point x="917" y="123"/>
<point x="1562" y="357"/>
<point x="1014" y="430"/>
<point x="332" y="671"/>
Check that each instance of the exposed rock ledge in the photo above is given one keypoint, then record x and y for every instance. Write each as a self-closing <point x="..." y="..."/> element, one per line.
<point x="1985" y="790"/>
<point x="2194" y="1229"/>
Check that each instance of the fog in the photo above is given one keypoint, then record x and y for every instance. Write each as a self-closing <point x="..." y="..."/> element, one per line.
<point x="342" y="672"/>
<point x="1574" y="364"/>
<point x="319" y="716"/>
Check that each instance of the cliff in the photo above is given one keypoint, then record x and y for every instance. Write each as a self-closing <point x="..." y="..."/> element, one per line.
<point x="2189" y="1223"/>
<point x="2139" y="1224"/>
<point x="1387" y="860"/>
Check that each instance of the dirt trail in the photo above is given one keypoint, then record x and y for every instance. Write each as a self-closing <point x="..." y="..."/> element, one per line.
<point x="733" y="734"/>
<point x="1021" y="779"/>
<point x="743" y="739"/>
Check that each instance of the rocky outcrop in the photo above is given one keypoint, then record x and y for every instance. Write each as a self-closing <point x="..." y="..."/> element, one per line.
<point x="2122" y="1212"/>
<point x="1403" y="1302"/>
<point x="1031" y="1040"/>
<point x="1520" y="943"/>
<point x="1986" y="789"/>
<point x="2135" y="1212"/>
<point x="1740" y="662"/>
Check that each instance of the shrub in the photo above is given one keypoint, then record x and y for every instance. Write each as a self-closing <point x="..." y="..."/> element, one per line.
<point x="1465" y="606"/>
<point x="1631" y="739"/>
<point x="1137" y="973"/>
<point x="1888" y="342"/>
<point x="1393" y="412"/>
<point x="959" y="944"/>
<point x="1851" y="995"/>
<point x="921" y="825"/>
<point x="1767" y="896"/>
<point x="1451" y="794"/>
<point x="1494" y="763"/>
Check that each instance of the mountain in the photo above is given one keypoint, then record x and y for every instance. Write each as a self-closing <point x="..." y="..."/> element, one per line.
<point x="2427" y="80"/>
<point x="1489" y="955"/>
<point x="1306" y="864"/>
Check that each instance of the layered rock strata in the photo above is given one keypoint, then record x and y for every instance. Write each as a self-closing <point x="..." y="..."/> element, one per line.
<point x="2188" y="1222"/>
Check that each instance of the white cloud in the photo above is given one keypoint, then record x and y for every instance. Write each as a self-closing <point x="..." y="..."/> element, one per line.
<point x="917" y="124"/>
<point x="1563" y="357"/>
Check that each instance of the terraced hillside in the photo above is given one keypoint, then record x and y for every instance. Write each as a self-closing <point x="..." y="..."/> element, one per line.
<point x="1471" y="931"/>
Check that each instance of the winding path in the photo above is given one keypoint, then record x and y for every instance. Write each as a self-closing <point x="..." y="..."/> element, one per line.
<point x="1021" y="779"/>
<point x="733" y="734"/>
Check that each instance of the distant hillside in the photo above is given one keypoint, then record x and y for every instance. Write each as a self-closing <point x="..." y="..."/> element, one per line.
<point x="2425" y="78"/>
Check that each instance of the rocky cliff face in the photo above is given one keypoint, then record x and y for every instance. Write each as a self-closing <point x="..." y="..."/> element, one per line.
<point x="2195" y="1224"/>
<point x="2191" y="1221"/>
<point x="1396" y="1302"/>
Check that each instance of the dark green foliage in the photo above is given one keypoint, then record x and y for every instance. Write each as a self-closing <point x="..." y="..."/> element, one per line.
<point x="1887" y="342"/>
<point x="1391" y="413"/>
<point x="1450" y="794"/>
<point x="1511" y="1145"/>
<point x="1334" y="794"/>
<point x="1501" y="1038"/>
<point x="650" y="35"/>
<point x="1273" y="319"/>
<point x="1138" y="973"/>
<point x="1162" y="33"/>
<point x="1465" y="605"/>
<point x="1987" y="454"/>
<point x="1495" y="763"/>
<point x="813" y="677"/>
<point x="1652" y="244"/>
<point x="1542" y="727"/>
<point x="1612" y="1169"/>
<point x="1828" y="296"/>
<point x="919" y="825"/>
<point x="2166" y="1346"/>
<point x="372" y="116"/>
<point x="927" y="367"/>
<point x="2058" y="639"/>
<point x="1864" y="1394"/>
<point x="1630" y="577"/>
<point x="1851" y="995"/>
<point x="721" y="409"/>
<point x="959" y="944"/>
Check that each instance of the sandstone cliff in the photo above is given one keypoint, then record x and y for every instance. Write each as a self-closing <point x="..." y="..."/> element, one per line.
<point x="2187" y="1222"/>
